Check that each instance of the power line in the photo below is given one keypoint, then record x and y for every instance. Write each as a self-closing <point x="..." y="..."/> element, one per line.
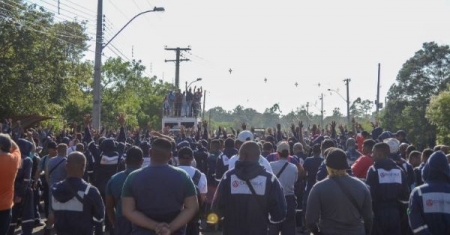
<point x="66" y="34"/>
<point x="118" y="9"/>
<point x="60" y="8"/>
<point x="36" y="12"/>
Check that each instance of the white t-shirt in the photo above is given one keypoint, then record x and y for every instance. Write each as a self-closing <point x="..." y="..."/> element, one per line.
<point x="262" y="161"/>
<point x="146" y="162"/>
<point x="202" y="184"/>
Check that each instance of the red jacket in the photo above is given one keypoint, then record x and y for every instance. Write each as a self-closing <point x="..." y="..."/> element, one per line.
<point x="361" y="166"/>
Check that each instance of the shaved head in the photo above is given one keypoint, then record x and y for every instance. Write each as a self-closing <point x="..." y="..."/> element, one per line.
<point x="249" y="151"/>
<point x="76" y="164"/>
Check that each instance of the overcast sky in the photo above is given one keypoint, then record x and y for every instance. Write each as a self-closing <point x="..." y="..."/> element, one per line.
<point x="287" y="42"/>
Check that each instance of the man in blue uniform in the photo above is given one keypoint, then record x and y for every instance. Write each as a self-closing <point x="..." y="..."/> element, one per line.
<point x="248" y="194"/>
<point x="23" y="197"/>
<point x="166" y="202"/>
<point x="429" y="207"/>
<point x="77" y="205"/>
<point x="113" y="192"/>
<point x="222" y="162"/>
<point x="388" y="188"/>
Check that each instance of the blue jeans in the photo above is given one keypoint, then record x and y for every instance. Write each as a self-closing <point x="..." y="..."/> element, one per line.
<point x="5" y="219"/>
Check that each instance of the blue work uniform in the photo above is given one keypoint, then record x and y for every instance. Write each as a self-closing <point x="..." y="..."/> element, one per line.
<point x="389" y="189"/>
<point x="429" y="206"/>
<point x="78" y="207"/>
<point x="245" y="213"/>
<point x="22" y="189"/>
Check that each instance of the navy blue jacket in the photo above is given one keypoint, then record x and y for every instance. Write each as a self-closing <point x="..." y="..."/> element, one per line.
<point x="418" y="174"/>
<point x="71" y="215"/>
<point x="388" y="184"/>
<point x="222" y="162"/>
<point x="201" y="156"/>
<point x="429" y="206"/>
<point x="243" y="212"/>
<point x="23" y="177"/>
<point x="211" y="173"/>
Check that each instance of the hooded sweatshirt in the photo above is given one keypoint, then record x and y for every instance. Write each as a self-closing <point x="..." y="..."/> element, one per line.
<point x="76" y="215"/>
<point x="429" y="207"/>
<point x="245" y="213"/>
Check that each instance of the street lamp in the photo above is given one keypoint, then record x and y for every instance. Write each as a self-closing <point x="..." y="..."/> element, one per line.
<point x="197" y="80"/>
<point x="347" y="101"/>
<point x="96" y="110"/>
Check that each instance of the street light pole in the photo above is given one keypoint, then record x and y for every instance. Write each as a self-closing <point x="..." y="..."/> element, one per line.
<point x="347" y="83"/>
<point x="197" y="80"/>
<point x="96" y="109"/>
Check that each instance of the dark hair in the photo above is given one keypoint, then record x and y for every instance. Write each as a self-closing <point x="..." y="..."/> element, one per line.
<point x="365" y="134"/>
<point x="383" y="148"/>
<point x="267" y="146"/>
<point x="215" y="143"/>
<point x="410" y="149"/>
<point x="145" y="146"/>
<point x="79" y="147"/>
<point x="5" y="143"/>
<point x="415" y="154"/>
<point x="426" y="153"/>
<point x="327" y="144"/>
<point x="134" y="156"/>
<point x="316" y="149"/>
<point x="162" y="144"/>
<point x="369" y="143"/>
<point x="185" y="153"/>
<point x="229" y="143"/>
<point x="437" y="148"/>
<point x="284" y="153"/>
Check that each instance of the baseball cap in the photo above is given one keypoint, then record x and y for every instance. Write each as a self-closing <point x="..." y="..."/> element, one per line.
<point x="245" y="136"/>
<point x="282" y="146"/>
<point x="337" y="159"/>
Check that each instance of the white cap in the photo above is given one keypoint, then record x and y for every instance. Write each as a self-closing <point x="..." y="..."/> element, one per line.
<point x="393" y="143"/>
<point x="245" y="136"/>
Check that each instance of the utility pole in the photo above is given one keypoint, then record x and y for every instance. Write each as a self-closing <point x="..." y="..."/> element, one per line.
<point x="96" y="109"/>
<point x="347" y="82"/>
<point x="177" y="63"/>
<point x="378" y="90"/>
<point x="204" y="102"/>
<point x="321" y="110"/>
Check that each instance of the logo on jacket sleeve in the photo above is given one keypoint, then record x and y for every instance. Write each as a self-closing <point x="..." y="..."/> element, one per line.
<point x="239" y="186"/>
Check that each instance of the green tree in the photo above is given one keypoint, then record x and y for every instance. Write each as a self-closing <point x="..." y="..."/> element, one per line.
<point x="438" y="113"/>
<point x="422" y="76"/>
<point x="40" y="61"/>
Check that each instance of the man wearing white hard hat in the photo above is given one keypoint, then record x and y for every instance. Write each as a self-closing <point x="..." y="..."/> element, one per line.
<point x="242" y="137"/>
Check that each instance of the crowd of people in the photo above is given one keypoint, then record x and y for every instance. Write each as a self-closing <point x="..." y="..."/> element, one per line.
<point x="330" y="180"/>
<point x="183" y="104"/>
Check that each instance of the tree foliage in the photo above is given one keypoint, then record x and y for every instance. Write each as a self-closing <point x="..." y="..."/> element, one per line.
<point x="43" y="71"/>
<point x="438" y="113"/>
<point x="425" y="74"/>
